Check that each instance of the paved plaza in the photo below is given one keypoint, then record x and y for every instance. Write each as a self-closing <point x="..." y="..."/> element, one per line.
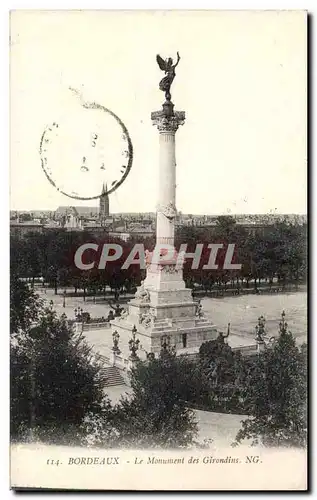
<point x="220" y="428"/>
<point x="242" y="312"/>
<point x="101" y="308"/>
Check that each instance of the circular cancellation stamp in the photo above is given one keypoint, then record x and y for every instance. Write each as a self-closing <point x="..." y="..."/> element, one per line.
<point x="86" y="152"/>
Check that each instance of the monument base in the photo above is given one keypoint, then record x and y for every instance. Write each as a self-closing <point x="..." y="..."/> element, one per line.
<point x="163" y="311"/>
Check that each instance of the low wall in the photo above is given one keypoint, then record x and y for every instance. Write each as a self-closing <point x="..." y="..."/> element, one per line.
<point x="95" y="326"/>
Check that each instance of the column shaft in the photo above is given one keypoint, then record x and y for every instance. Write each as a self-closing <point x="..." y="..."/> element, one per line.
<point x="167" y="188"/>
<point x="167" y="122"/>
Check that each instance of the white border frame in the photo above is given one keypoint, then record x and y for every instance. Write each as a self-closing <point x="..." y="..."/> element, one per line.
<point x="6" y="6"/>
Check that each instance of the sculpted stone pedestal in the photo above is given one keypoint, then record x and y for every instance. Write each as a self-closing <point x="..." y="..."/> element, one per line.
<point x="163" y="310"/>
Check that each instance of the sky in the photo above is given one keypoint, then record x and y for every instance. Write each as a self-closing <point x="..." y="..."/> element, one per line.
<point x="241" y="81"/>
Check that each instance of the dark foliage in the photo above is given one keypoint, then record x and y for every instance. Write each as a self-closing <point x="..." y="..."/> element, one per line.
<point x="55" y="379"/>
<point x="156" y="414"/>
<point x="277" y="253"/>
<point x="277" y="396"/>
<point x="25" y="305"/>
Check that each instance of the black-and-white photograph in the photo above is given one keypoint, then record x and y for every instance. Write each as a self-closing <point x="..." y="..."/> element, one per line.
<point x="158" y="250"/>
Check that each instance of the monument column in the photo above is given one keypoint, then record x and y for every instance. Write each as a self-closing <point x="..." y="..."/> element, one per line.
<point x="167" y="122"/>
<point x="163" y="308"/>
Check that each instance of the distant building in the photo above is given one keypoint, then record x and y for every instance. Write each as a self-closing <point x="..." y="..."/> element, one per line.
<point x="81" y="211"/>
<point x="104" y="204"/>
<point x="20" y="229"/>
<point x="95" y="227"/>
<point x="72" y="221"/>
<point x="118" y="234"/>
<point x="141" y="232"/>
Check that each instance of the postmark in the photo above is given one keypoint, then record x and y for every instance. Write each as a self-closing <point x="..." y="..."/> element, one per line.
<point x="86" y="152"/>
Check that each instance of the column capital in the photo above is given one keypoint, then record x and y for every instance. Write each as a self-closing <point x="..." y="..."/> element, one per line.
<point x="168" y="123"/>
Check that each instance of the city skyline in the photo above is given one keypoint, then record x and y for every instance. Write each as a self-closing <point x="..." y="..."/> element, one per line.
<point x="206" y="214"/>
<point x="242" y="85"/>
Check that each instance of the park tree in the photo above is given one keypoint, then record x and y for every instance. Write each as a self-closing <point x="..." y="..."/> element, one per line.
<point x="278" y="252"/>
<point x="25" y="305"/>
<point x="216" y="359"/>
<point x="17" y="257"/>
<point x="34" y="255"/>
<point x="55" y="378"/>
<point x="25" y="217"/>
<point x="222" y="373"/>
<point x="225" y="226"/>
<point x="189" y="235"/>
<point x="277" y="395"/>
<point x="156" y="414"/>
<point x="245" y="254"/>
<point x="296" y="253"/>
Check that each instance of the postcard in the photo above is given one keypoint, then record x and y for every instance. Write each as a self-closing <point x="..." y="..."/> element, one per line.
<point x="158" y="261"/>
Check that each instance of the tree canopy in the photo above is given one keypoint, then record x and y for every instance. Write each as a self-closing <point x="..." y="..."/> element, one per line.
<point x="274" y="252"/>
<point x="278" y="395"/>
<point x="55" y="378"/>
<point x="156" y="414"/>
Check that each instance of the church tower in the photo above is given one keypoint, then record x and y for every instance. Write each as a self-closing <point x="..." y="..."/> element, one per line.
<point x="104" y="203"/>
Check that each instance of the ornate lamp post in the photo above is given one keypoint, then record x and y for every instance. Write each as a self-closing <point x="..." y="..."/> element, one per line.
<point x="64" y="318"/>
<point x="165" y="343"/>
<point x="79" y="317"/>
<point x="260" y="329"/>
<point x="167" y="347"/>
<point x="221" y="336"/>
<point x="78" y="313"/>
<point x="283" y="325"/>
<point x="134" y="344"/>
<point x="115" y="337"/>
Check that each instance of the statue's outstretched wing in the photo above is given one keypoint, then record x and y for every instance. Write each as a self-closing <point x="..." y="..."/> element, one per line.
<point x="161" y="62"/>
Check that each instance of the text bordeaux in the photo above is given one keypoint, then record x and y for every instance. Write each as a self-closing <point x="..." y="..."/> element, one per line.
<point x="93" y="461"/>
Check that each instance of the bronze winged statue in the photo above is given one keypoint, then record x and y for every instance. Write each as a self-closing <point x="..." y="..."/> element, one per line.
<point x="169" y="68"/>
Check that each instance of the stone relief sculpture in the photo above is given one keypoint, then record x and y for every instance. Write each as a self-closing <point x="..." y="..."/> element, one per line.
<point x="147" y="318"/>
<point x="124" y="314"/>
<point x="142" y="294"/>
<point x="148" y="259"/>
<point x="199" y="310"/>
<point x="168" y="210"/>
<point x="170" y="269"/>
